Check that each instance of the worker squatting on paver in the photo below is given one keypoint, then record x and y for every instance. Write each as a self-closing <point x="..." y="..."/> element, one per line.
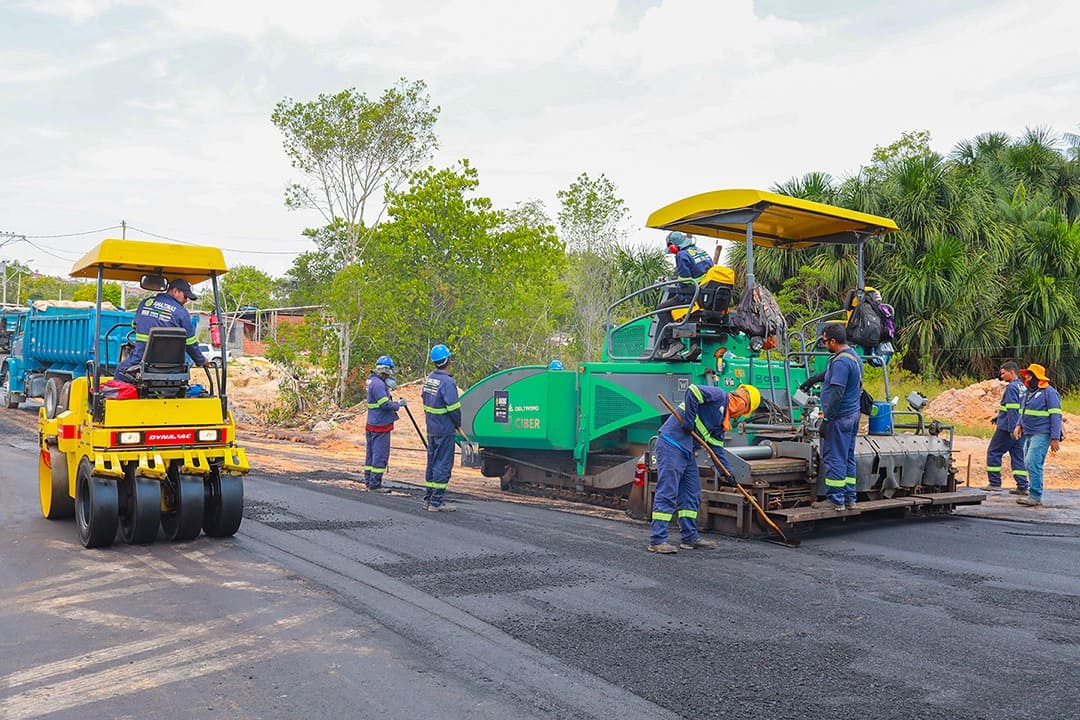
<point x="708" y="411"/>
<point x="443" y="414"/>
<point x="840" y="392"/>
<point x="381" y="415"/>
<point x="1040" y="427"/>
<point x="1003" y="442"/>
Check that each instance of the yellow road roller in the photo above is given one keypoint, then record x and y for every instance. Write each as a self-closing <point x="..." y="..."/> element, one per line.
<point x="157" y="455"/>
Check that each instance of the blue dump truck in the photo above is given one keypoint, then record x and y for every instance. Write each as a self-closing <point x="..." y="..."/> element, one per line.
<point x="52" y="343"/>
<point x="9" y="318"/>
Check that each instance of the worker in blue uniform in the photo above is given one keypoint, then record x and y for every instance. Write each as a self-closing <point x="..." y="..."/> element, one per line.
<point x="708" y="411"/>
<point x="165" y="309"/>
<point x="1002" y="441"/>
<point x="691" y="264"/>
<point x="382" y="412"/>
<point x="840" y="392"/>
<point x="1040" y="427"/>
<point x="442" y="411"/>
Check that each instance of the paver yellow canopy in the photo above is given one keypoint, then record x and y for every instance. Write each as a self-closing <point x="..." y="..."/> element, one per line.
<point x="777" y="220"/>
<point x="770" y="220"/>
<point x="167" y="459"/>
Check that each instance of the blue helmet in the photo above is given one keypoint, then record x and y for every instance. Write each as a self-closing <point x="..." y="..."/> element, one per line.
<point x="679" y="239"/>
<point x="386" y="361"/>
<point x="555" y="365"/>
<point x="440" y="354"/>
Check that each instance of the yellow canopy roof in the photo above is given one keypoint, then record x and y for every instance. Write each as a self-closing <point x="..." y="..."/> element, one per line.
<point x="779" y="220"/>
<point x="131" y="259"/>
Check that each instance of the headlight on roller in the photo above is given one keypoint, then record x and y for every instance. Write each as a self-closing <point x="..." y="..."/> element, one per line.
<point x="129" y="438"/>
<point x="209" y="435"/>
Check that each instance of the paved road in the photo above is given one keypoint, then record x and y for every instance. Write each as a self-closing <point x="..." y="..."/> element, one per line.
<point x="334" y="603"/>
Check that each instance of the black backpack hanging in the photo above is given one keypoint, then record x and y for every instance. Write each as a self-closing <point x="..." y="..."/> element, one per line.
<point x="864" y="327"/>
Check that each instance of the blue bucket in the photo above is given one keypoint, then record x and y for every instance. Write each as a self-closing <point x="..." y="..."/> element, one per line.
<point x="881" y="418"/>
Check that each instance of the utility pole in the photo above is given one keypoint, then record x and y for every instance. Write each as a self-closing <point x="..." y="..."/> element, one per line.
<point x="5" y="238"/>
<point x="123" y="295"/>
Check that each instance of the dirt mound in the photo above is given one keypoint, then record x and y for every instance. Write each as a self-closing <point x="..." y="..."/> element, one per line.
<point x="972" y="405"/>
<point x="254" y="387"/>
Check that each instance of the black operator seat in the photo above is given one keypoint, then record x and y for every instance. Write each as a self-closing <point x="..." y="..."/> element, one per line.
<point x="163" y="371"/>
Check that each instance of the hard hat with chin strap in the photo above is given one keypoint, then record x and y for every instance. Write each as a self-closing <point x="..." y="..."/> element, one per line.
<point x="385" y="361"/>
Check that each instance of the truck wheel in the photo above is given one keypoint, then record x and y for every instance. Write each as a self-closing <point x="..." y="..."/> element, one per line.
<point x="140" y="509"/>
<point x="5" y="394"/>
<point x="96" y="504"/>
<point x="184" y="499"/>
<point x="52" y="396"/>
<point x="64" y="400"/>
<point x="56" y="503"/>
<point x="224" y="504"/>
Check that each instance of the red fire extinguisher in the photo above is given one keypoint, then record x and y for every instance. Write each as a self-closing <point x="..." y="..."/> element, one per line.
<point x="215" y="331"/>
<point x="639" y="474"/>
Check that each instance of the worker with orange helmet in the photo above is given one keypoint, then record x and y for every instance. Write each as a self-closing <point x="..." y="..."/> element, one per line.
<point x="1040" y="427"/>
<point x="708" y="411"/>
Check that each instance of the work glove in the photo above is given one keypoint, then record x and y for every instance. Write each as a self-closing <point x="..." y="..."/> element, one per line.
<point x="402" y="402"/>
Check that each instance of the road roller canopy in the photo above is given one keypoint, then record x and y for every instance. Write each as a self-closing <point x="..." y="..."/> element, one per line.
<point x="778" y="220"/>
<point x="132" y="259"/>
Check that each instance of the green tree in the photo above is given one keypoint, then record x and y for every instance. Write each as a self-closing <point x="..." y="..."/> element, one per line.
<point x="87" y="291"/>
<point x="593" y="225"/>
<point x="348" y="147"/>
<point x="449" y="268"/>
<point x="245" y="285"/>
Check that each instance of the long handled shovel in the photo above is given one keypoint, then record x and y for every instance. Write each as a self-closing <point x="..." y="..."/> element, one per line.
<point x="409" y="413"/>
<point x="749" y="498"/>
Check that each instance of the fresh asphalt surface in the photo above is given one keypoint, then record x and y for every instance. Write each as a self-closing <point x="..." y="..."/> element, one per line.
<point x="331" y="603"/>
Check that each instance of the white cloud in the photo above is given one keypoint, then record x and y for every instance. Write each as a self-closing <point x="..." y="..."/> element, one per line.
<point x="694" y="95"/>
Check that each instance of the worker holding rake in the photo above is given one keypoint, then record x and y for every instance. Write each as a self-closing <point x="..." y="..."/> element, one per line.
<point x="707" y="411"/>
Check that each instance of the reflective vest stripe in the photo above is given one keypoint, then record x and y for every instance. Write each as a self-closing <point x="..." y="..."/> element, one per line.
<point x="442" y="411"/>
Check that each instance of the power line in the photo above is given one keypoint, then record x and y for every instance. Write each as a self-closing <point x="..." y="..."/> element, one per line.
<point x="74" y="234"/>
<point x="227" y="249"/>
<point x="52" y="254"/>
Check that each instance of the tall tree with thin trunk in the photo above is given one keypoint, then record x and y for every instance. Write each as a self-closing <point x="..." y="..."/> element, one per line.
<point x="350" y="148"/>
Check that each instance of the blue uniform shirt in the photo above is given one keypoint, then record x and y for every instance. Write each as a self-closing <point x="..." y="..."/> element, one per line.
<point x="1009" y="412"/>
<point x="844" y="375"/>
<point x="382" y="410"/>
<point x="441" y="407"/>
<point x="161" y="310"/>
<point x="703" y="410"/>
<point x="691" y="264"/>
<point x="1041" y="413"/>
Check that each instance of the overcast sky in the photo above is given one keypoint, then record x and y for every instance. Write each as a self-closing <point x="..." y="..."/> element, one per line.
<point x="157" y="112"/>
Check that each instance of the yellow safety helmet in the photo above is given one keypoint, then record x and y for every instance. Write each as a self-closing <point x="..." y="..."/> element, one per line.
<point x="753" y="395"/>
